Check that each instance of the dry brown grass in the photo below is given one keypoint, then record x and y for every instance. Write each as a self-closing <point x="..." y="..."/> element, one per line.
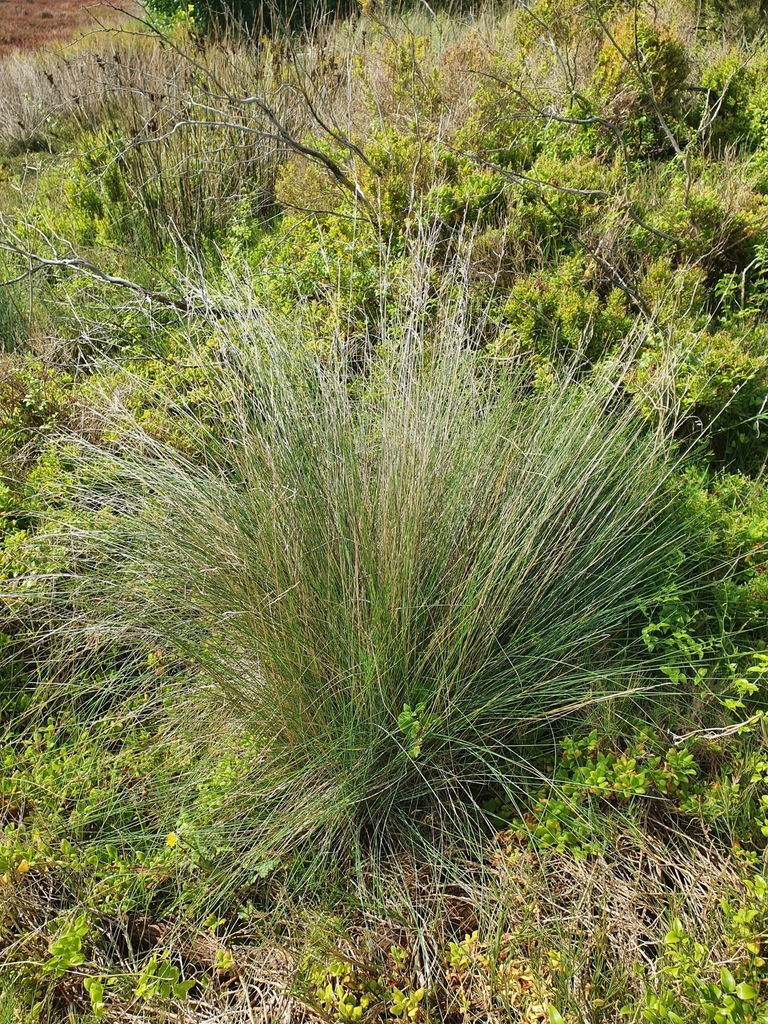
<point x="42" y="24"/>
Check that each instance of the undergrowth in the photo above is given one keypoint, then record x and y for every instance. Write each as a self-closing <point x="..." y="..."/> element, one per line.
<point x="383" y="421"/>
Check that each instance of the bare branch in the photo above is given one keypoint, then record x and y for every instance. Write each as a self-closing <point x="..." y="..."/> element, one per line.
<point x="280" y="133"/>
<point x="83" y="266"/>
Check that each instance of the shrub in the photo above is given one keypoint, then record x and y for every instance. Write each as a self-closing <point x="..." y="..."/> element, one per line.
<point x="252" y="16"/>
<point x="734" y="514"/>
<point x="564" y="22"/>
<point x="641" y="70"/>
<point x="33" y="398"/>
<point x="720" y="382"/>
<point x="733" y="17"/>
<point x="731" y="85"/>
<point x="561" y="317"/>
<point x="130" y="195"/>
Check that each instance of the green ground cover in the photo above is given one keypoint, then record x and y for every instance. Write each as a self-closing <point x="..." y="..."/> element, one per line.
<point x="383" y="416"/>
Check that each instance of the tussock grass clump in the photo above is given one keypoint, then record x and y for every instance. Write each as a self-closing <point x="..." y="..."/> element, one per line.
<point x="385" y="587"/>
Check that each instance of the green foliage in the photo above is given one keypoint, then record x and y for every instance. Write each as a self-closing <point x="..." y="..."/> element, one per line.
<point x="415" y="725"/>
<point x="735" y="17"/>
<point x="66" y="950"/>
<point x="590" y="775"/>
<point x="331" y="271"/>
<point x="217" y="16"/>
<point x="170" y="10"/>
<point x="475" y="962"/>
<point x="32" y="398"/>
<point x="561" y="314"/>
<point x="733" y="515"/>
<point x="479" y="972"/>
<point x="499" y="125"/>
<point x="729" y="103"/>
<point x="688" y="978"/>
<point x="562" y="21"/>
<point x="95" y="990"/>
<point x="641" y="71"/>
<point x="160" y="978"/>
<point x="129" y="196"/>
<point x="341" y="991"/>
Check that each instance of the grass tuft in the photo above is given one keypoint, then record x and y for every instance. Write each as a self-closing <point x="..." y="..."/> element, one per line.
<point x="376" y="593"/>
